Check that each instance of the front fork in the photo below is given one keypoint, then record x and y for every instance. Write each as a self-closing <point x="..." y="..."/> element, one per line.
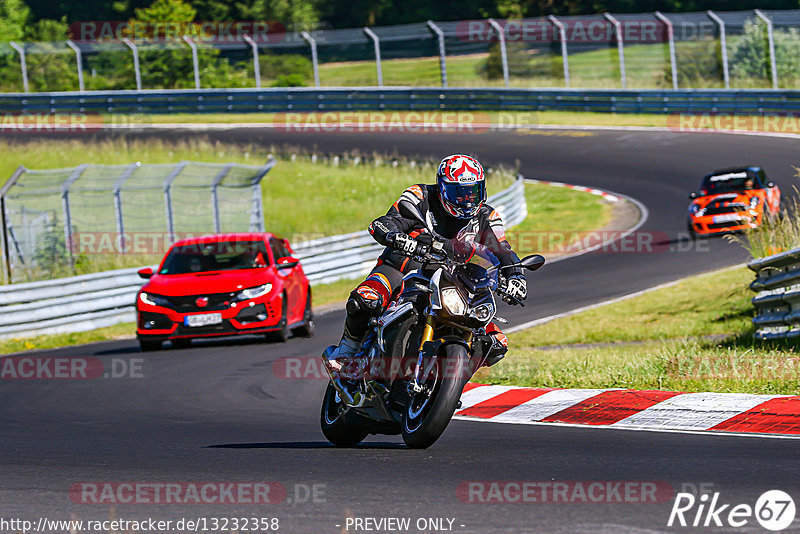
<point x="414" y="385"/>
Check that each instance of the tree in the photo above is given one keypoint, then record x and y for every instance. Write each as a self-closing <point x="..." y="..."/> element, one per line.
<point x="749" y="58"/>
<point x="13" y="18"/>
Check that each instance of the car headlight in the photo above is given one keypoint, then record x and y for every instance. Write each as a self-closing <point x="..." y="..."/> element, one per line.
<point x="453" y="302"/>
<point x="755" y="201"/>
<point x="154" y="300"/>
<point x="254" y="292"/>
<point x="695" y="209"/>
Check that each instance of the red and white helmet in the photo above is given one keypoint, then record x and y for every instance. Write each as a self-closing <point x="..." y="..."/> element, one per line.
<point x="462" y="185"/>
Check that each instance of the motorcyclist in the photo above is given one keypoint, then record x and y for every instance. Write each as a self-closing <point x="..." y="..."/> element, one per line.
<point x="456" y="210"/>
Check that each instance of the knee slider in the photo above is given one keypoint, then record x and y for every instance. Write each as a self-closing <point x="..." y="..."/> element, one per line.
<point x="364" y="301"/>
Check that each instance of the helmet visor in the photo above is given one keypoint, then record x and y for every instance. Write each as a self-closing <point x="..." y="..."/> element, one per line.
<point x="465" y="196"/>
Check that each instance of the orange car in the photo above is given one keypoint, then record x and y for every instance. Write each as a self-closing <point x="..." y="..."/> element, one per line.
<point x="732" y="200"/>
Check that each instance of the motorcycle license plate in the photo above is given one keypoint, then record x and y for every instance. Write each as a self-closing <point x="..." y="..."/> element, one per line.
<point x="726" y="218"/>
<point x="203" y="319"/>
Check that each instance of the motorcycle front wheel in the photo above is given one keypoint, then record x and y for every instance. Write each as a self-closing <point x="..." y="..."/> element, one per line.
<point x="429" y="412"/>
<point x="334" y="427"/>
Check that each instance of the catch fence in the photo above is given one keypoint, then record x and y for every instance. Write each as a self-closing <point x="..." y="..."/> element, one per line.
<point x="736" y="49"/>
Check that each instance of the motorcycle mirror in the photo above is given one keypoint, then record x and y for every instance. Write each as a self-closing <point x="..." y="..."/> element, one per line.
<point x="532" y="262"/>
<point x="414" y="211"/>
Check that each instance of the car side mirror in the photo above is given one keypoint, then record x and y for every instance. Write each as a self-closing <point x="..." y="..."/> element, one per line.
<point x="692" y="195"/>
<point x="288" y="263"/>
<point x="533" y="262"/>
<point x="145" y="273"/>
<point x="770" y="184"/>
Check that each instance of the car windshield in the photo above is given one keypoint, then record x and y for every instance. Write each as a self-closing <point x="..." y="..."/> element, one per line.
<point x="215" y="256"/>
<point x="728" y="183"/>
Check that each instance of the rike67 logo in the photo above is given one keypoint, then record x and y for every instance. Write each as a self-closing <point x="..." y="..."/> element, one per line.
<point x="774" y="510"/>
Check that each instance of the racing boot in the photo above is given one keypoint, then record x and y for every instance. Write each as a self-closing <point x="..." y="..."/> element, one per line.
<point x="334" y="359"/>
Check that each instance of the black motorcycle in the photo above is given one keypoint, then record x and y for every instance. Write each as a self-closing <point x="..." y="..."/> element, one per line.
<point x="417" y="356"/>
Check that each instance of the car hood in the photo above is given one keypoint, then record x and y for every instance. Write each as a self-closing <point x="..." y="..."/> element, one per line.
<point x="176" y="285"/>
<point x="742" y="197"/>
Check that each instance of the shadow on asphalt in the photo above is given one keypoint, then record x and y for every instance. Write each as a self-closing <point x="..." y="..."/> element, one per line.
<point x="304" y="445"/>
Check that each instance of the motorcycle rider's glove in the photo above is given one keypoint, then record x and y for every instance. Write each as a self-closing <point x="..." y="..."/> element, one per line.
<point x="406" y="244"/>
<point x="514" y="288"/>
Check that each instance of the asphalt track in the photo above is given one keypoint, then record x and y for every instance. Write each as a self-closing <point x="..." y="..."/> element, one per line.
<point x="220" y="411"/>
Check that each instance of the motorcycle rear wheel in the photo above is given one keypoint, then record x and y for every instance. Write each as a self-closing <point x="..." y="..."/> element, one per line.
<point x="428" y="413"/>
<point x="334" y="427"/>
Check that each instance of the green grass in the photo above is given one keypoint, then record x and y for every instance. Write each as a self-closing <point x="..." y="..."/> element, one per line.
<point x="659" y="340"/>
<point x="591" y="69"/>
<point x="51" y="341"/>
<point x="556" y="215"/>
<point x="521" y="118"/>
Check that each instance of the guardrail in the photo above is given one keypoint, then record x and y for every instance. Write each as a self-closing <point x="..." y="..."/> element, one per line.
<point x="777" y="300"/>
<point x="96" y="300"/>
<point x="299" y="99"/>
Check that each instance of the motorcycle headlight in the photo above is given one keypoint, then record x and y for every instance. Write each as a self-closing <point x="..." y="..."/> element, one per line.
<point x="483" y="312"/>
<point x="154" y="300"/>
<point x="254" y="292"/>
<point x="453" y="302"/>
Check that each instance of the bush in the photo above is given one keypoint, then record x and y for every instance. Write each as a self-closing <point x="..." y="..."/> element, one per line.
<point x="749" y="56"/>
<point x="699" y="64"/>
<point x="287" y="70"/>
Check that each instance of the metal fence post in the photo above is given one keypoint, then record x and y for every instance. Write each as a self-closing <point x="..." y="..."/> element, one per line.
<point x="442" y="60"/>
<point x="136" y="72"/>
<point x="673" y="63"/>
<point x="168" y="199"/>
<point x="214" y="199"/>
<point x="562" y="37"/>
<point x="118" y="202"/>
<point x="66" y="207"/>
<point x="723" y="44"/>
<point x="22" y="63"/>
<point x="79" y="58"/>
<point x="377" y="44"/>
<point x="771" y="39"/>
<point x="256" y="65"/>
<point x="195" y="62"/>
<point x="620" y="48"/>
<point x="6" y="250"/>
<point x="257" y="209"/>
<point x="314" y="59"/>
<point x="501" y="35"/>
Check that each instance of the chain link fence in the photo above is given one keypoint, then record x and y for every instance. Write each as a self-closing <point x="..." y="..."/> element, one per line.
<point x="55" y="220"/>
<point x="743" y="49"/>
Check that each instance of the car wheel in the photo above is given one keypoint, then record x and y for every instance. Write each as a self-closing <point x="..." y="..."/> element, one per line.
<point x="282" y="334"/>
<point x="149" y="345"/>
<point x="692" y="233"/>
<point x="181" y="343"/>
<point x="307" y="330"/>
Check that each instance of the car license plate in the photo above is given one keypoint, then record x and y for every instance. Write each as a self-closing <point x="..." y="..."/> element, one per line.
<point x="203" y="319"/>
<point x="726" y="218"/>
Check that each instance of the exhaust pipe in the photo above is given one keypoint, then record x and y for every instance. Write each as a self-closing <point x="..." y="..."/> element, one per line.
<point x="333" y="374"/>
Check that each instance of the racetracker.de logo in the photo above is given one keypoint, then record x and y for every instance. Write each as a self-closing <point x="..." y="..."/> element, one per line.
<point x="177" y="493"/>
<point x="596" y="30"/>
<point x="206" y="32"/>
<point x="775" y="123"/>
<point x="68" y="368"/>
<point x="568" y="492"/>
<point x="77" y="122"/>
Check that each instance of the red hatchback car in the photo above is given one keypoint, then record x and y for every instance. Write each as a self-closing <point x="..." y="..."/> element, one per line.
<point x="224" y="285"/>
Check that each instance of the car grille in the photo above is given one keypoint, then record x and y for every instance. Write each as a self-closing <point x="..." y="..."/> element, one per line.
<point x="216" y="302"/>
<point x="719" y="209"/>
<point x="730" y="224"/>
